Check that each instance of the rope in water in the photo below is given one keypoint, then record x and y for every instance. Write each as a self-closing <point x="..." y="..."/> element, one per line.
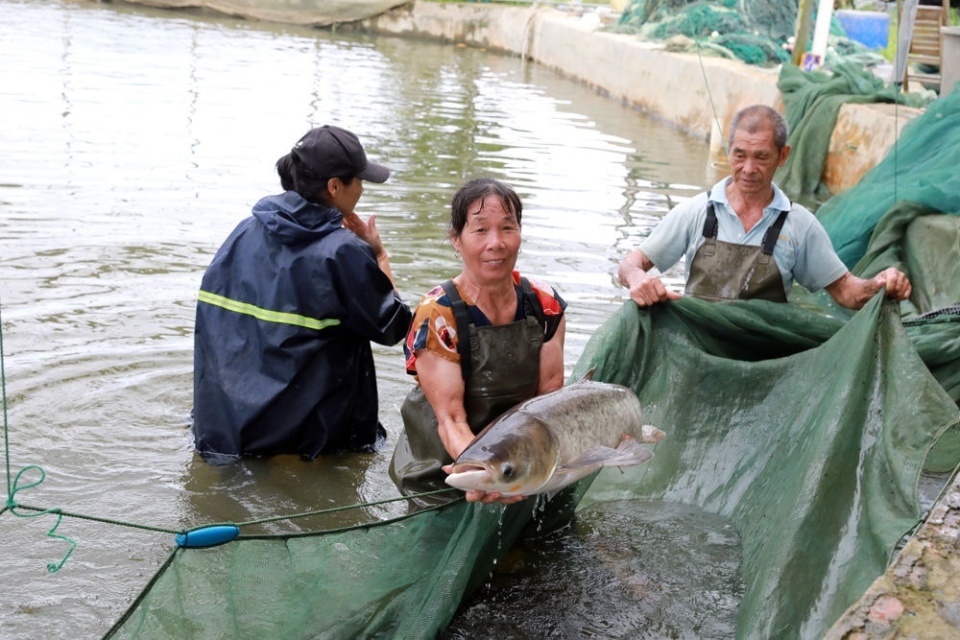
<point x="15" y="485"/>
<point x="10" y="504"/>
<point x="248" y="523"/>
<point x="3" y="394"/>
<point x="344" y="508"/>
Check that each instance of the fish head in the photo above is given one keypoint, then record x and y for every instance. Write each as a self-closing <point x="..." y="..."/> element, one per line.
<point x="514" y="456"/>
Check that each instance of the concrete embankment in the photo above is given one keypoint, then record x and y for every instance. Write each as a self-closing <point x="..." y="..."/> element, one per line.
<point x="689" y="91"/>
<point x="919" y="595"/>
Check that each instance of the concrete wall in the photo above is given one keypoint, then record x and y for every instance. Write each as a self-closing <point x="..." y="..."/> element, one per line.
<point x="669" y="86"/>
<point x="641" y="74"/>
<point x="861" y="138"/>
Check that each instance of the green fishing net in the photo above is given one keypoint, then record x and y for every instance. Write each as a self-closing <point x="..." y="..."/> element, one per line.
<point x="809" y="432"/>
<point x="920" y="169"/>
<point x="812" y="100"/>
<point x="757" y="32"/>
<point x="815" y="453"/>
<point x="808" y="429"/>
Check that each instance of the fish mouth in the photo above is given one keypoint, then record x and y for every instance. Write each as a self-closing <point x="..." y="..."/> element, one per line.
<point x="469" y="477"/>
<point x="466" y="467"/>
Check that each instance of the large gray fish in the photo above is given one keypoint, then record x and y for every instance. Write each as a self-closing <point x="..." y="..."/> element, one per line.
<point x="550" y="441"/>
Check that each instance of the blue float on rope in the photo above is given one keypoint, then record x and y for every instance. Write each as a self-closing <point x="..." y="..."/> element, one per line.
<point x="208" y="536"/>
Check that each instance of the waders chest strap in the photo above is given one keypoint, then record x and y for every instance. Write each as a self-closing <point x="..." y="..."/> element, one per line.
<point x="531" y="306"/>
<point x="711" y="227"/>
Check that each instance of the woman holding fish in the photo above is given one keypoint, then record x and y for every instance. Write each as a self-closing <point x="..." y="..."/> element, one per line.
<point x="479" y="344"/>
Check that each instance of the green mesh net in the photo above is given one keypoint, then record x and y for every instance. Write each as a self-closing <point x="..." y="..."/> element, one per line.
<point x="757" y="32"/>
<point x="812" y="100"/>
<point x="814" y="453"/>
<point x="921" y="169"/>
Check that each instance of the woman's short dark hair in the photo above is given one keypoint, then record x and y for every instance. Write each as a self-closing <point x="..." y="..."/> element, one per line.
<point x="294" y="176"/>
<point x="477" y="189"/>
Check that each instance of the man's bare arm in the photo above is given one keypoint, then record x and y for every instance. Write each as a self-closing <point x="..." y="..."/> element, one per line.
<point x="852" y="292"/>
<point x="645" y="289"/>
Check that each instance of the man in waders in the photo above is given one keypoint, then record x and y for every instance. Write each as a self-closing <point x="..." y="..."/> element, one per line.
<point x="745" y="239"/>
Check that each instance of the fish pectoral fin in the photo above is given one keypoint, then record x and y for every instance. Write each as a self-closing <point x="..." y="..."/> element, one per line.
<point x="633" y="451"/>
<point x="565" y="476"/>
<point x="628" y="452"/>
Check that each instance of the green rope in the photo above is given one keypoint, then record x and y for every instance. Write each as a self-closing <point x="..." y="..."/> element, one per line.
<point x="13" y="506"/>
<point x="12" y="489"/>
<point x="81" y="516"/>
<point x="52" y="533"/>
<point x="3" y="393"/>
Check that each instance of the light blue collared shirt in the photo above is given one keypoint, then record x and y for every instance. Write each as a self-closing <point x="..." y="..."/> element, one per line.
<point x="803" y="251"/>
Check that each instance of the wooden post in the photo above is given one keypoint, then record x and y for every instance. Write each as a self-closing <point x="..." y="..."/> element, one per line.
<point x="804" y="12"/>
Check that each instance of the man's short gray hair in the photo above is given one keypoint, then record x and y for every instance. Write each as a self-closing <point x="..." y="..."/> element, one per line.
<point x="753" y="118"/>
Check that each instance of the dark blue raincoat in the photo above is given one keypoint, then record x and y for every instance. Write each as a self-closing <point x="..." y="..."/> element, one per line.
<point x="286" y="313"/>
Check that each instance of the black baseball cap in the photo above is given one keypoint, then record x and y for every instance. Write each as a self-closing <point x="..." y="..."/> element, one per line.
<point x="332" y="152"/>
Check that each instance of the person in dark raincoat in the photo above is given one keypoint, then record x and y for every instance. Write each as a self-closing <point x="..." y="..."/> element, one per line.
<point x="287" y="311"/>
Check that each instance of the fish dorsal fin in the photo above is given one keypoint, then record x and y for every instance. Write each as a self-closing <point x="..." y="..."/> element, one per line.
<point x="588" y="375"/>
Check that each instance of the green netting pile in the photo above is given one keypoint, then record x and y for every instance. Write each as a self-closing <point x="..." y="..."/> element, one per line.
<point x="755" y="31"/>
<point x="812" y="101"/>
<point x="918" y="177"/>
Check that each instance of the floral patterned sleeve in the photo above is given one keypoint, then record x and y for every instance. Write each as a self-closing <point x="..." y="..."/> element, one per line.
<point x="434" y="329"/>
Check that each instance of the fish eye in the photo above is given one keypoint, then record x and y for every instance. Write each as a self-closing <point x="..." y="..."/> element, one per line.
<point x="507" y="470"/>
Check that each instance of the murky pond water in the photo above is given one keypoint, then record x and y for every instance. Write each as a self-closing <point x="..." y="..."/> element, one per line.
<point x="643" y="570"/>
<point x="133" y="142"/>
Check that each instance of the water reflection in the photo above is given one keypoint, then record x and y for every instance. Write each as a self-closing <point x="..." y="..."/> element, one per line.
<point x="321" y="493"/>
<point x="137" y="139"/>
